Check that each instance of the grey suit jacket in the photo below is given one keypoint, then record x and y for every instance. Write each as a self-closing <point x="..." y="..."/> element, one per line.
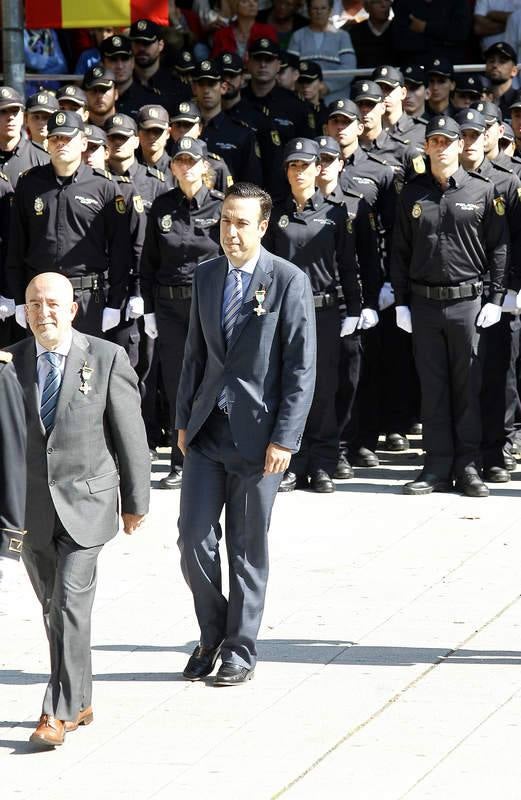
<point x="269" y="366"/>
<point x="97" y="446"/>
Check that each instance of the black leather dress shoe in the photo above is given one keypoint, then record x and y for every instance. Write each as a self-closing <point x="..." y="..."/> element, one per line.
<point x="173" y="480"/>
<point x="509" y="461"/>
<point x="288" y="482"/>
<point x="343" y="470"/>
<point x="396" y="442"/>
<point x="426" y="483"/>
<point x="201" y="662"/>
<point x="320" y="481"/>
<point x="496" y="475"/>
<point x="232" y="675"/>
<point x="364" y="458"/>
<point x="154" y="455"/>
<point x="471" y="485"/>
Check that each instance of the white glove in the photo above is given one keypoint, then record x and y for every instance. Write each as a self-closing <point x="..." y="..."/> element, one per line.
<point x="111" y="318"/>
<point x="403" y="318"/>
<point x="489" y="315"/>
<point x="349" y="326"/>
<point x="511" y="303"/>
<point x="386" y="296"/>
<point x="7" y="307"/>
<point x="368" y="319"/>
<point x="151" y="326"/>
<point x="20" y="316"/>
<point x="135" y="308"/>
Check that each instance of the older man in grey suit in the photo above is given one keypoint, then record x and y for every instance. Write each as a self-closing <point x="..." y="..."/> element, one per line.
<point x="86" y="444"/>
<point x="245" y="391"/>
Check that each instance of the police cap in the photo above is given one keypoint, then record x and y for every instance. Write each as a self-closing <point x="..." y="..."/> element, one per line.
<point x="264" y="47"/>
<point x="469" y="119"/>
<point x="502" y="49"/>
<point x="64" y="123"/>
<point x="195" y="148"/>
<point x="99" y="76"/>
<point x="10" y="98"/>
<point x="120" y="125"/>
<point x="441" y="125"/>
<point x="328" y="146"/>
<point x="230" y="63"/>
<point x="301" y="150"/>
<point x="116" y="46"/>
<point x="186" y="111"/>
<point x="389" y="76"/>
<point x="95" y="135"/>
<point x="152" y="116"/>
<point x="345" y="108"/>
<point x="73" y="94"/>
<point x="44" y="102"/>
<point x="367" y="90"/>
<point x="309" y="71"/>
<point x="207" y="70"/>
<point x="144" y="30"/>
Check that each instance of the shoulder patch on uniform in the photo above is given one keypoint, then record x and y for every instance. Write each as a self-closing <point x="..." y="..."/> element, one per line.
<point x="5" y="358"/>
<point x="418" y="165"/>
<point x="499" y="206"/>
<point x="138" y="203"/>
<point x="378" y="159"/>
<point x="121" y="179"/>
<point x="502" y="168"/>
<point x="478" y="175"/>
<point x="229" y="180"/>
<point x="217" y="194"/>
<point x="275" y="138"/>
<point x="121" y="208"/>
<point x="352" y="193"/>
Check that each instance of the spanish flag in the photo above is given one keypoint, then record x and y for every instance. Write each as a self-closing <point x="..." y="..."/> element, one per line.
<point x="93" y="13"/>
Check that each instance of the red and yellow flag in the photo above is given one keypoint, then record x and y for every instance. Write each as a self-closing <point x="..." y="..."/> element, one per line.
<point x="93" y="13"/>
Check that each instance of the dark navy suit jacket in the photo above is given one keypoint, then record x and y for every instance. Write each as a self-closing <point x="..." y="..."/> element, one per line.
<point x="268" y="368"/>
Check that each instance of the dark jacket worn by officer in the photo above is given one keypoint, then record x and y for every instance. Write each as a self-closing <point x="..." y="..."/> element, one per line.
<point x="13" y="480"/>
<point x="25" y="155"/>
<point x="136" y="95"/>
<point x="407" y="130"/>
<point x="75" y="225"/>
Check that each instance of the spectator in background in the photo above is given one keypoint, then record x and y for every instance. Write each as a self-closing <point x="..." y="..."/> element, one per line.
<point x="92" y="56"/>
<point x="513" y="33"/>
<point x="501" y="70"/>
<point x="347" y="14"/>
<point x="43" y="54"/>
<point x="332" y="50"/>
<point x="283" y="16"/>
<point x="425" y="30"/>
<point x="490" y="20"/>
<point x="372" y="39"/>
<point x="244" y="30"/>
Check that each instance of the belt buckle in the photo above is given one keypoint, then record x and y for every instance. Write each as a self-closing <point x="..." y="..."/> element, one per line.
<point x="444" y="292"/>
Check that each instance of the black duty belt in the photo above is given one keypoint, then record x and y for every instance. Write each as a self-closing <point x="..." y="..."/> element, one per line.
<point x="88" y="282"/>
<point x="448" y="292"/>
<point x="175" y="292"/>
<point x="324" y="300"/>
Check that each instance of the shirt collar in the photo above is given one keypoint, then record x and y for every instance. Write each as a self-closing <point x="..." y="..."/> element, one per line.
<point x="249" y="266"/>
<point x="62" y="349"/>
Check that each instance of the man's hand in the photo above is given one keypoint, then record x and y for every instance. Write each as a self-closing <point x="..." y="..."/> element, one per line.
<point x="131" y="522"/>
<point x="277" y="459"/>
<point x="181" y="436"/>
<point x="417" y="25"/>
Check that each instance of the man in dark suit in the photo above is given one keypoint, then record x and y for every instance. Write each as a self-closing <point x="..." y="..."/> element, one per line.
<point x="13" y="435"/>
<point x="86" y="442"/>
<point x="245" y="391"/>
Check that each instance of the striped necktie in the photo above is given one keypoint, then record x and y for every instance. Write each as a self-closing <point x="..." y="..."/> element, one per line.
<point x="232" y="302"/>
<point x="51" y="391"/>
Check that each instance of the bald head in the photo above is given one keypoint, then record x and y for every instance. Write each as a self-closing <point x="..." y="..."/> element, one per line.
<point x="50" y="308"/>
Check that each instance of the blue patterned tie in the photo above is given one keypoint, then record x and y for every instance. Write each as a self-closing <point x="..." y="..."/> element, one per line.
<point x="232" y="302"/>
<point x="51" y="391"/>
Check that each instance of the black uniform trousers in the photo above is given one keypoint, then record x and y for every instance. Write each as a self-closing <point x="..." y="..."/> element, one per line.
<point x="499" y="392"/>
<point x="91" y="303"/>
<point x="172" y="317"/>
<point x="378" y="385"/>
<point x="154" y="407"/>
<point x="448" y="351"/>
<point x="319" y="447"/>
<point x="126" y="334"/>
<point x="216" y="476"/>
<point x="63" y="576"/>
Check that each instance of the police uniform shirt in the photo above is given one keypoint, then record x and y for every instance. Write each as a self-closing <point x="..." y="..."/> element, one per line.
<point x="167" y="89"/>
<point x="409" y="130"/>
<point x="133" y="98"/>
<point x="445" y="238"/>
<point x="6" y="194"/>
<point x="268" y="139"/>
<point x="180" y="234"/>
<point x="289" y="114"/>
<point x="149" y="182"/>
<point x="318" y="117"/>
<point x="137" y="222"/>
<point x="508" y="187"/>
<point x="320" y="241"/>
<point x="236" y="144"/>
<point x="76" y="226"/>
<point x="362" y="222"/>
<point x="429" y="113"/>
<point x="24" y="156"/>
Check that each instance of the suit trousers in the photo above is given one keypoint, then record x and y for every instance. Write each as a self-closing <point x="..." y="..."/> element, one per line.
<point x="449" y="351"/>
<point x="63" y="576"/>
<point x="499" y="393"/>
<point x="319" y="448"/>
<point x="172" y="318"/>
<point x="216" y="476"/>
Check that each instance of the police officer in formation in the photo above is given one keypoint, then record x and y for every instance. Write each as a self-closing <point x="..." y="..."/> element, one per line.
<point x="402" y="204"/>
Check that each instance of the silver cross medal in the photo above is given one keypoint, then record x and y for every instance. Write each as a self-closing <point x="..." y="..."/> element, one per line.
<point x="260" y="297"/>
<point x="85" y="373"/>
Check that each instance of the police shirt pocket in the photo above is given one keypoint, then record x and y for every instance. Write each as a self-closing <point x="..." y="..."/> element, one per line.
<point x="100" y="483"/>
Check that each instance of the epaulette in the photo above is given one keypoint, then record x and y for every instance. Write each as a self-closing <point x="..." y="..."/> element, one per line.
<point x="103" y="173"/>
<point x="215" y="156"/>
<point x="399" y="138"/>
<point x="516" y="159"/>
<point x="243" y="123"/>
<point x="265" y="110"/>
<point x="502" y="168"/>
<point x="478" y="175"/>
<point x="121" y="179"/>
<point x="4" y="177"/>
<point x="5" y="358"/>
<point x="156" y="173"/>
<point x="217" y="194"/>
<point x="378" y="159"/>
<point x="419" y="120"/>
<point x="352" y="193"/>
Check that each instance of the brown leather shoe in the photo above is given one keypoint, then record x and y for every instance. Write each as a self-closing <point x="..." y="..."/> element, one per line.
<point x="85" y="717"/>
<point x="49" y="733"/>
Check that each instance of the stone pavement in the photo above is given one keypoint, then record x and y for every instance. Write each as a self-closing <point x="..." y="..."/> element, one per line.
<point x="390" y="659"/>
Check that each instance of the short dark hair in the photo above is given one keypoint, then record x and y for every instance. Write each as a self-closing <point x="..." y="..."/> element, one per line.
<point x="246" y="190"/>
